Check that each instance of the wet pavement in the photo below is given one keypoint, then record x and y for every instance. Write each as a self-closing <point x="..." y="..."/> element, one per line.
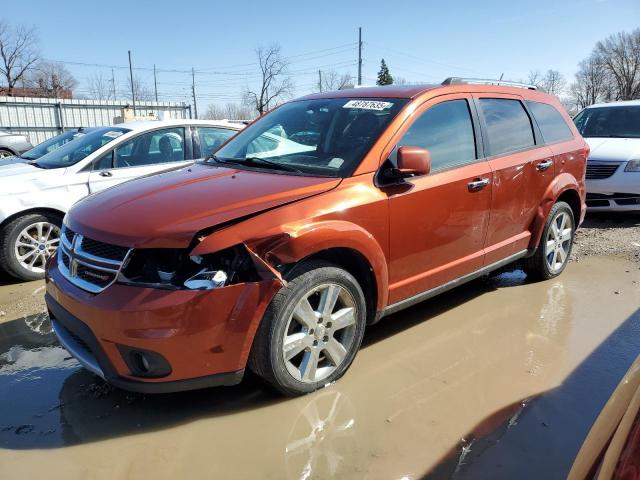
<point x="500" y="378"/>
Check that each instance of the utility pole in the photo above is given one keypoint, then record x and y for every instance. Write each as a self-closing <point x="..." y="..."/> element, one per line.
<point x="359" y="55"/>
<point x="155" y="81"/>
<point x="320" y="80"/>
<point x="113" y="85"/>
<point x="133" y="93"/>
<point x="193" y="90"/>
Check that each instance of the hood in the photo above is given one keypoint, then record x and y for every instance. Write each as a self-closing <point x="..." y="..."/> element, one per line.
<point x="168" y="209"/>
<point x="614" y="149"/>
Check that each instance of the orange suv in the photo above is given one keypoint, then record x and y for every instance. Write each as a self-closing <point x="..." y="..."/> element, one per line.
<point x="323" y="216"/>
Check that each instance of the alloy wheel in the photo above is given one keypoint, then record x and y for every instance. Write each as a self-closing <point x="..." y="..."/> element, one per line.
<point x="558" y="244"/>
<point x="35" y="244"/>
<point x="5" y="154"/>
<point x="319" y="333"/>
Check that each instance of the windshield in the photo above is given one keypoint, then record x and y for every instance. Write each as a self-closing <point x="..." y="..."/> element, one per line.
<point x="52" y="144"/>
<point x="72" y="152"/>
<point x="324" y="137"/>
<point x="623" y="122"/>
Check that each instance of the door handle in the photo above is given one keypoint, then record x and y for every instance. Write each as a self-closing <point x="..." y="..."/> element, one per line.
<point x="106" y="173"/>
<point x="544" y="165"/>
<point x="478" y="185"/>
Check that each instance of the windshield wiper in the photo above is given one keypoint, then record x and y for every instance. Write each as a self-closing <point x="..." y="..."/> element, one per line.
<point x="256" y="160"/>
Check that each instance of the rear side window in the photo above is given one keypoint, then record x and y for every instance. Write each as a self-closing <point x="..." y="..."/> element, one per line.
<point x="552" y="126"/>
<point x="447" y="132"/>
<point x="508" y="125"/>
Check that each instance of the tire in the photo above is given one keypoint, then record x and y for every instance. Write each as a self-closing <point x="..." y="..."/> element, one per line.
<point x="542" y="266"/>
<point x="311" y="282"/>
<point x="9" y="250"/>
<point x="4" y="153"/>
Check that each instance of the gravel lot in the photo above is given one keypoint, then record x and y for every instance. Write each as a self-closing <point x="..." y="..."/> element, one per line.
<point x="609" y="235"/>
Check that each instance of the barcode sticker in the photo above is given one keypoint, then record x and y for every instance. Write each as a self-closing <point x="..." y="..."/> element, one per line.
<point x="368" y="104"/>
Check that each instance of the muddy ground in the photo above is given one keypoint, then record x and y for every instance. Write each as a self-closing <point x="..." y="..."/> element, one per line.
<point x="606" y="234"/>
<point x="481" y="382"/>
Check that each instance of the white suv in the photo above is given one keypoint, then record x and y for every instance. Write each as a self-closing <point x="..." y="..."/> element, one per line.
<point x="35" y="195"/>
<point x="612" y="130"/>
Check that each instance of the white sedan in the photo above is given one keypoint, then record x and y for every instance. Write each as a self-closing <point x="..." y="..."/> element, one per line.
<point x="612" y="130"/>
<point x="35" y="195"/>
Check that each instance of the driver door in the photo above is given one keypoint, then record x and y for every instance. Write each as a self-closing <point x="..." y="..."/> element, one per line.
<point x="146" y="154"/>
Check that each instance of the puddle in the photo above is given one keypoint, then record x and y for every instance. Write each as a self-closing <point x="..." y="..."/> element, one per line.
<point x="490" y="377"/>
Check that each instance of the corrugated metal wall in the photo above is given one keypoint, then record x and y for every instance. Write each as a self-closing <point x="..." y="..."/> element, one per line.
<point x="43" y="118"/>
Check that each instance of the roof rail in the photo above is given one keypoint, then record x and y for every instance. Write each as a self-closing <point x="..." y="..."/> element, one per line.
<point x="486" y="81"/>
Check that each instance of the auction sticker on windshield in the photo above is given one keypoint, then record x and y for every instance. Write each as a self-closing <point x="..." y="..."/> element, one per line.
<point x="113" y="134"/>
<point x="368" y="104"/>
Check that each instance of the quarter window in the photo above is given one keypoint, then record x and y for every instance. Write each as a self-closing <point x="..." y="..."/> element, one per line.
<point x="508" y="125"/>
<point x="212" y="138"/>
<point x="552" y="126"/>
<point x="446" y="131"/>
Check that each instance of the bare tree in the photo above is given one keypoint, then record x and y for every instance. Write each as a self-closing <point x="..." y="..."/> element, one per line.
<point x="230" y="111"/>
<point x="140" y="90"/>
<point x="534" y="78"/>
<point x="332" y="80"/>
<point x="276" y="85"/>
<point x="592" y="82"/>
<point x="620" y="53"/>
<point x="18" y="53"/>
<point x="552" y="81"/>
<point x="100" y="87"/>
<point x="51" y="79"/>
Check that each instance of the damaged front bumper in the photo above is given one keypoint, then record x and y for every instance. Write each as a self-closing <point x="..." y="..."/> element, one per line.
<point x="153" y="340"/>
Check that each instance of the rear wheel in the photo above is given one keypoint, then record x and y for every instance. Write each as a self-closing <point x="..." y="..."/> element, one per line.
<point x="26" y="244"/>
<point x="556" y="243"/>
<point x="311" y="331"/>
<point x="4" y="153"/>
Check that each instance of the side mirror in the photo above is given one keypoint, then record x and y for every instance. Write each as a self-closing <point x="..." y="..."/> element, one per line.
<point x="413" y="161"/>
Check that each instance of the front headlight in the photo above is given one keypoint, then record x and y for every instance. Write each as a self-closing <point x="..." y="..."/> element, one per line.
<point x="175" y="269"/>
<point x="632" y="166"/>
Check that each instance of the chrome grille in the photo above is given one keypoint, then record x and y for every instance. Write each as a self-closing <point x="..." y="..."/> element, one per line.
<point x="601" y="170"/>
<point x="89" y="264"/>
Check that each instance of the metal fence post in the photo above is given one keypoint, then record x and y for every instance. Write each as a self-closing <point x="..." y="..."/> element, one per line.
<point x="60" y="117"/>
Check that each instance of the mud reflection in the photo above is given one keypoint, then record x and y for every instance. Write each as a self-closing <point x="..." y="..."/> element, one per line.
<point x="321" y="437"/>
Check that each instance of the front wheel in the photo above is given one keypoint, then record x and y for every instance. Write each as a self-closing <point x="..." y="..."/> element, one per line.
<point x="311" y="331"/>
<point x="27" y="242"/>
<point x="556" y="243"/>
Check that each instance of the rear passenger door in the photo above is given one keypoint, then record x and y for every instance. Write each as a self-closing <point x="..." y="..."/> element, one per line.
<point x="144" y="154"/>
<point x="522" y="170"/>
<point x="438" y="221"/>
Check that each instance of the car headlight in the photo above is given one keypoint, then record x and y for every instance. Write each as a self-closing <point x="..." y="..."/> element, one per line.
<point x="176" y="269"/>
<point x="632" y="166"/>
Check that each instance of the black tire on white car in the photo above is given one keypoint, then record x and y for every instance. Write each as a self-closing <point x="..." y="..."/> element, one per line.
<point x="27" y="242"/>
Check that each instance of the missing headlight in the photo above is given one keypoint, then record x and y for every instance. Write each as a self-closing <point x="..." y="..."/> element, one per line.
<point x="175" y="269"/>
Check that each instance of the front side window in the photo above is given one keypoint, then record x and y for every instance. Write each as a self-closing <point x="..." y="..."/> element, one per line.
<point x="551" y="124"/>
<point x="325" y="137"/>
<point x="72" y="152"/>
<point x="211" y="138"/>
<point x="617" y="122"/>
<point x="508" y="125"/>
<point x="158" y="146"/>
<point x="446" y="130"/>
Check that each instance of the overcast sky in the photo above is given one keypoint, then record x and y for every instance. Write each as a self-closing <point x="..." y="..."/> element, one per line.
<point x="421" y="41"/>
